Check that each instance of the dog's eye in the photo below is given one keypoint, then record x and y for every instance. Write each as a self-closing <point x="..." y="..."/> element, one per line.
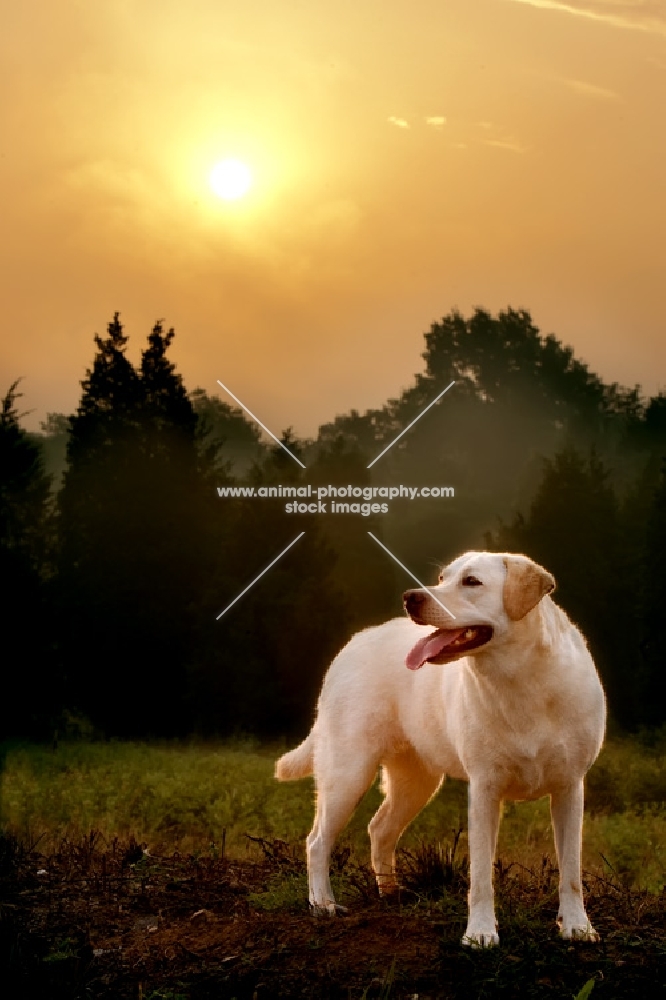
<point x="471" y="581"/>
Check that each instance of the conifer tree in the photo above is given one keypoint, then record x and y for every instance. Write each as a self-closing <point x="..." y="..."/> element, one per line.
<point x="229" y="441"/>
<point x="653" y="611"/>
<point x="30" y="688"/>
<point x="271" y="648"/>
<point x="131" y="531"/>
<point x="104" y="455"/>
<point x="572" y="528"/>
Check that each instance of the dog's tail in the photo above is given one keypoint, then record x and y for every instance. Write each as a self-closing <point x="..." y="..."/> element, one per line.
<point x="298" y="763"/>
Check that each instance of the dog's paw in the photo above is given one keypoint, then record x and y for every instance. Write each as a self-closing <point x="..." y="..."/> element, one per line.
<point x="480" y="939"/>
<point x="328" y="910"/>
<point x="578" y="931"/>
<point x="389" y="888"/>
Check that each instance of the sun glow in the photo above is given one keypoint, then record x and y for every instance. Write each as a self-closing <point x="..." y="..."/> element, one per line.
<point x="230" y="179"/>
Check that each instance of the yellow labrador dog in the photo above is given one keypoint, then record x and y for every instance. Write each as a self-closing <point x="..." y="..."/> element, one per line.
<point x="503" y="693"/>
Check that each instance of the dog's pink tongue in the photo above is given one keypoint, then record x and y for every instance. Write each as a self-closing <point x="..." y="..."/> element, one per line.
<point x="431" y="646"/>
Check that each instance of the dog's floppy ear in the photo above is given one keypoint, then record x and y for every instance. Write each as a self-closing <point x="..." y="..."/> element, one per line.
<point x="524" y="586"/>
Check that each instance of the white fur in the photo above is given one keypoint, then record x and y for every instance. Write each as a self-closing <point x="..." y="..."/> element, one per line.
<point x="518" y="718"/>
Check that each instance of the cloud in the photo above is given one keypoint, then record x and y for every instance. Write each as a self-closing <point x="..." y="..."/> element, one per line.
<point x="592" y="90"/>
<point x="499" y="140"/>
<point x="434" y="121"/>
<point x="633" y="15"/>
<point x="510" y="144"/>
<point x="108" y="176"/>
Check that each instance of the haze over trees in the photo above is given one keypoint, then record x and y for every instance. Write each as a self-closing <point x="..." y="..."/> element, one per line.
<point x="131" y="554"/>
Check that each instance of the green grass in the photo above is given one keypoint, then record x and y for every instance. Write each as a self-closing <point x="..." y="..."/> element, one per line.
<point x="184" y="795"/>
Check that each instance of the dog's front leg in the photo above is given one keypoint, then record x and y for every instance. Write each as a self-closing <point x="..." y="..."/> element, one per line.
<point x="484" y="815"/>
<point x="566" y="809"/>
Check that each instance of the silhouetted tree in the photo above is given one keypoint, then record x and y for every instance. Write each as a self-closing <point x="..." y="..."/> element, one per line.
<point x="274" y="645"/>
<point x="653" y="611"/>
<point x="362" y="572"/>
<point x="53" y="442"/>
<point x="518" y="396"/>
<point x="133" y="540"/>
<point x="149" y="552"/>
<point x="225" y="435"/>
<point x="30" y="684"/>
<point x="573" y="529"/>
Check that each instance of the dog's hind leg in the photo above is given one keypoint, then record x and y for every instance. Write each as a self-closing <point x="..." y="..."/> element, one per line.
<point x="339" y="791"/>
<point x="408" y="786"/>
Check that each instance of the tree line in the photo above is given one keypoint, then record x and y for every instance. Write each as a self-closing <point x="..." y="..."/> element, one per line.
<point x="118" y="554"/>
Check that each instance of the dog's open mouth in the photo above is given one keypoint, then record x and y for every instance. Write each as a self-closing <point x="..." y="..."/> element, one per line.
<point x="445" y="644"/>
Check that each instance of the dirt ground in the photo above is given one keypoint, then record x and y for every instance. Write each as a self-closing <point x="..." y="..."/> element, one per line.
<point x="104" y="920"/>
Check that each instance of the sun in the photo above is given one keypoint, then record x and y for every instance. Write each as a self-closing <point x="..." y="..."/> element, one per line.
<point x="230" y="179"/>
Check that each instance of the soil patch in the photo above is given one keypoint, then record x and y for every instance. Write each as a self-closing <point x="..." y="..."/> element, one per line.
<point x="106" y="920"/>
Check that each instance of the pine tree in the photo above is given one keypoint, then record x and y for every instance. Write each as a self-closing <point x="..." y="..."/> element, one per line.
<point x="573" y="529"/>
<point x="653" y="611"/>
<point x="30" y="688"/>
<point x="271" y="648"/>
<point x="132" y="531"/>
<point x="227" y="439"/>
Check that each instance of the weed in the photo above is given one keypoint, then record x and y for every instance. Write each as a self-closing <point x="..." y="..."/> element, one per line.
<point x="432" y="869"/>
<point x="385" y="986"/>
<point x="61" y="950"/>
<point x="284" y="892"/>
<point x="161" y="994"/>
<point x="239" y="928"/>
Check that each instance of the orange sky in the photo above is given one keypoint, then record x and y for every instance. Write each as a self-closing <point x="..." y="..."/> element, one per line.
<point x="409" y="156"/>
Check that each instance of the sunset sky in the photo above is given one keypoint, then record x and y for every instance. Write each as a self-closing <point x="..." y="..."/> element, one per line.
<point x="408" y="157"/>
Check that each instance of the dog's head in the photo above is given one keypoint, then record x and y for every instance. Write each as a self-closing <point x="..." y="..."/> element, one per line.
<point x="477" y="598"/>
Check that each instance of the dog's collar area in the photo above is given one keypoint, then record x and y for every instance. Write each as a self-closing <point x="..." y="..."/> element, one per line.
<point x="446" y="644"/>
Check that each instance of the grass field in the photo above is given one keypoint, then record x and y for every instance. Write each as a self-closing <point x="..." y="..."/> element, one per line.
<point x="207" y="797"/>
<point x="217" y="906"/>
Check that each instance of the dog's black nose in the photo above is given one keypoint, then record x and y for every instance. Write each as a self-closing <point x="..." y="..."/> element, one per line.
<point x="413" y="599"/>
